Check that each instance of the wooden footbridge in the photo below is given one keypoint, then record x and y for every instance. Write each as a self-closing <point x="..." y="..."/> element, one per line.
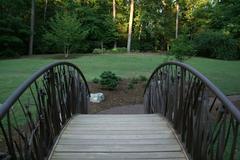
<point x="144" y="136"/>
<point x="187" y="117"/>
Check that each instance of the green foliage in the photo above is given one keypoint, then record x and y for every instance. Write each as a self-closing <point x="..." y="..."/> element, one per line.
<point x="85" y="25"/>
<point x="216" y="45"/>
<point x="119" y="50"/>
<point x="109" y="80"/>
<point x="182" y="48"/>
<point x="98" y="51"/>
<point x="142" y="78"/>
<point x="130" y="85"/>
<point x="134" y="80"/>
<point x="13" y="28"/>
<point x="96" y="80"/>
<point x="8" y="53"/>
<point x="65" y="32"/>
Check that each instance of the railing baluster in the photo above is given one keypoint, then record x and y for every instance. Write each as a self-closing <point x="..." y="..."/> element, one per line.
<point x="194" y="106"/>
<point x="34" y="115"/>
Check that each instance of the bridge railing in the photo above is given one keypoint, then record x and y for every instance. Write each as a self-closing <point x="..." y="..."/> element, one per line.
<point x="33" y="116"/>
<point x="205" y="120"/>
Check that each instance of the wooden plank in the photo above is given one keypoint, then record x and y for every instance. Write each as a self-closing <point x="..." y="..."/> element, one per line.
<point x="117" y="115"/>
<point x="145" y="155"/>
<point x="70" y="158"/>
<point x="117" y="141"/>
<point x="118" y="126"/>
<point x="153" y="136"/>
<point x="117" y="148"/>
<point x="129" y="128"/>
<point x="114" y="132"/>
<point x="117" y="122"/>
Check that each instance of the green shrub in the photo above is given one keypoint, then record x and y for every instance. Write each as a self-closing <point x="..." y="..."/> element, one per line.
<point x="119" y="50"/>
<point x="182" y="48"/>
<point x="95" y="80"/>
<point x="98" y="51"/>
<point x="134" y="80"/>
<point x="109" y="80"/>
<point x="8" y="53"/>
<point x="130" y="85"/>
<point x="147" y="46"/>
<point x="142" y="78"/>
<point x="216" y="44"/>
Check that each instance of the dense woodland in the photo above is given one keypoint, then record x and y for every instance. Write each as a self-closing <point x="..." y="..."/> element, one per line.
<point x="209" y="28"/>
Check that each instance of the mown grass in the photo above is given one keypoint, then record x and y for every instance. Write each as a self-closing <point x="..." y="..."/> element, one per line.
<point x="225" y="74"/>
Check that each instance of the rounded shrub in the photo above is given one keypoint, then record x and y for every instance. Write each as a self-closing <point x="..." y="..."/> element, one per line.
<point x="109" y="80"/>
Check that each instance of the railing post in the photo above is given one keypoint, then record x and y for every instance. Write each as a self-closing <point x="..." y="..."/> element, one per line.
<point x="53" y="106"/>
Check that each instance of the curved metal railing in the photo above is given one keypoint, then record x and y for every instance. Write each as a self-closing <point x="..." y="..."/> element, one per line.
<point x="204" y="118"/>
<point x="33" y="116"/>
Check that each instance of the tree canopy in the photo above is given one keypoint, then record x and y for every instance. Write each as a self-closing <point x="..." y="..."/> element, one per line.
<point x="89" y="24"/>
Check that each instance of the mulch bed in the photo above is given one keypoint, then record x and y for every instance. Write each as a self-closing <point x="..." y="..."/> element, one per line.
<point x="121" y="96"/>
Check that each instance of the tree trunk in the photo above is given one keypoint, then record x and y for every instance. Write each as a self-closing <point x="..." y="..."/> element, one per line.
<point x="102" y="46"/>
<point x="114" y="19"/>
<point x="30" y="51"/>
<point x="130" y="26"/>
<point x="66" y="51"/>
<point x="45" y="11"/>
<point x="177" y="13"/>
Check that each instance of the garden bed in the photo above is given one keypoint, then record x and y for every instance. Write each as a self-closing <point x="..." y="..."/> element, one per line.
<point x="121" y="96"/>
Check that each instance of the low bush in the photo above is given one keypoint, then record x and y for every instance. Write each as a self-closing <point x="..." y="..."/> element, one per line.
<point x="142" y="78"/>
<point x="95" y="80"/>
<point x="98" y="51"/>
<point x="134" y="80"/>
<point x="130" y="85"/>
<point x="109" y="80"/>
<point x="8" y="53"/>
<point x="216" y="44"/>
<point x="182" y="48"/>
<point x="119" y="50"/>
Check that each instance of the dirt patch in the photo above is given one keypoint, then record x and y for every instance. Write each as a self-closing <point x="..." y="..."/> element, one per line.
<point x="121" y="96"/>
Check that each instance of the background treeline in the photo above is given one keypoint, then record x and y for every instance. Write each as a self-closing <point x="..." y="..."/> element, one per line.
<point x="209" y="28"/>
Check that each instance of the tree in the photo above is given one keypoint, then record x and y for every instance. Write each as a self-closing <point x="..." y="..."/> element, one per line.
<point x="114" y="19"/>
<point x="14" y="27"/>
<point x="45" y="11"/>
<point x="65" y="31"/>
<point x="130" y="25"/>
<point x="177" y="14"/>
<point x="30" y="52"/>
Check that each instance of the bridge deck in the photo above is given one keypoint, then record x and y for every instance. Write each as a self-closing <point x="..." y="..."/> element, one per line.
<point x="105" y="137"/>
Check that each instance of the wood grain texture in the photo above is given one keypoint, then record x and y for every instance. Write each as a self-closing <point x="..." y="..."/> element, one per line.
<point x="118" y="137"/>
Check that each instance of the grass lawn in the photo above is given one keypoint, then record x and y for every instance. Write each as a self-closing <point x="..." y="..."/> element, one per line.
<point x="225" y="74"/>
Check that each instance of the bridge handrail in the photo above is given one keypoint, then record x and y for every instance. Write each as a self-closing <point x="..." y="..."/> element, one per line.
<point x="206" y="121"/>
<point x="32" y="117"/>
<point x="222" y="97"/>
<point x="17" y="93"/>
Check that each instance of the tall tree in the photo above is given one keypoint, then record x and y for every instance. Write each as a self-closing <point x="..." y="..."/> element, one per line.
<point x="177" y="15"/>
<point x="45" y="11"/>
<point x="130" y="26"/>
<point x="114" y="19"/>
<point x="30" y="52"/>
